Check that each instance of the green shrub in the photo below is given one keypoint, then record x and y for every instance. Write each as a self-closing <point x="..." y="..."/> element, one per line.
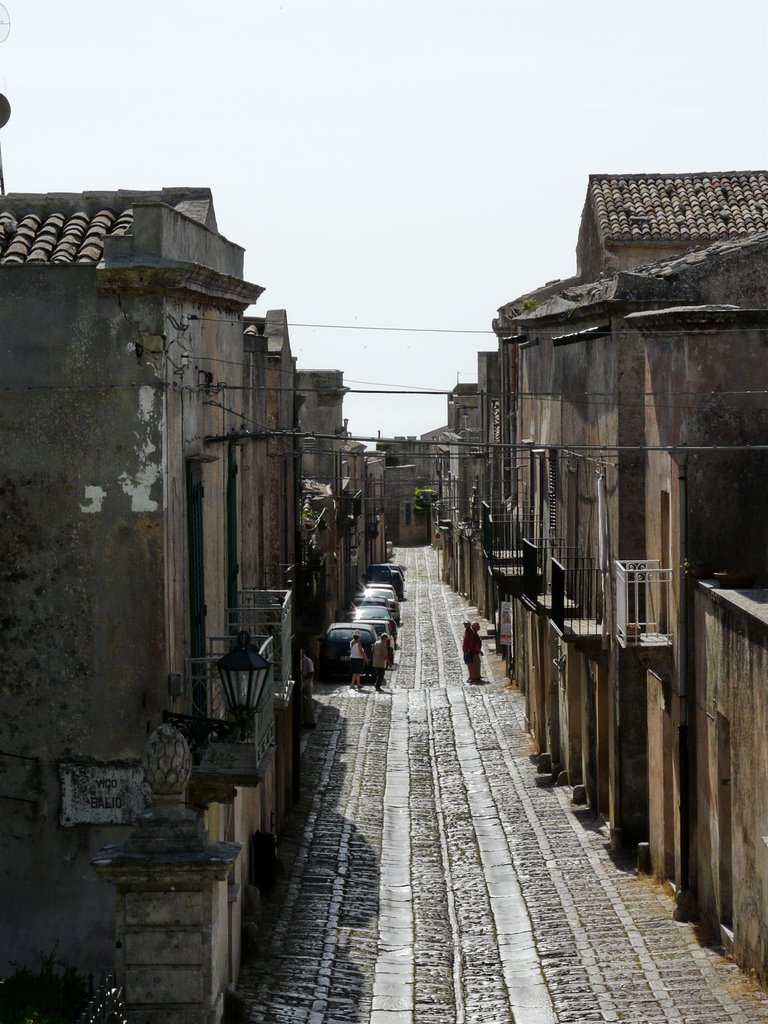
<point x="56" y="994"/>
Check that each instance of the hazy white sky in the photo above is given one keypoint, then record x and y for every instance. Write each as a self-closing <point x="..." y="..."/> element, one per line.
<point x="402" y="163"/>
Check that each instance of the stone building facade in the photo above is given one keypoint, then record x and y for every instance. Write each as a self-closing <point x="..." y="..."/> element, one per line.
<point x="635" y="439"/>
<point x="126" y="519"/>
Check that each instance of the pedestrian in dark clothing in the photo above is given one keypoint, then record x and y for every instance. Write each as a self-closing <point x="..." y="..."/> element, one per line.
<point x="472" y="646"/>
<point x="379" y="662"/>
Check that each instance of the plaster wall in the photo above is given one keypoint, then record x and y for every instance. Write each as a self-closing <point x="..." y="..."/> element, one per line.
<point x="571" y="703"/>
<point x="102" y="415"/>
<point x="731" y="667"/>
<point x="84" y="649"/>
<point x="594" y="382"/>
<point x="162" y="235"/>
<point x="281" y="509"/>
<point x="405" y="527"/>
<point x="700" y="381"/>
<point x="253" y="461"/>
<point x="321" y="413"/>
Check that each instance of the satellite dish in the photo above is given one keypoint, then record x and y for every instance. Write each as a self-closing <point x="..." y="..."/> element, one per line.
<point x="5" y="110"/>
<point x="5" y="24"/>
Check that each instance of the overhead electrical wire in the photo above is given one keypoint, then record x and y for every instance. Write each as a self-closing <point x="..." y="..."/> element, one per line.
<point x="248" y="320"/>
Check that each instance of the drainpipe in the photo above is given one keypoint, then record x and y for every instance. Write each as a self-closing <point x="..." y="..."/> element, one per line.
<point x="682" y="728"/>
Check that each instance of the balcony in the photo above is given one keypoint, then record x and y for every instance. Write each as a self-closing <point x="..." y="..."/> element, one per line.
<point x="268" y="613"/>
<point x="643" y="593"/>
<point x="503" y="532"/>
<point x="576" y="607"/>
<point x="221" y="759"/>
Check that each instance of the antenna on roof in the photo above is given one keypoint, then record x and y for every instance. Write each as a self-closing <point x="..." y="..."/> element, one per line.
<point x="5" y="113"/>
<point x="5" y="106"/>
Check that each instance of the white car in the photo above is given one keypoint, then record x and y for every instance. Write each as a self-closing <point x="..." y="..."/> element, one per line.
<point x="376" y="591"/>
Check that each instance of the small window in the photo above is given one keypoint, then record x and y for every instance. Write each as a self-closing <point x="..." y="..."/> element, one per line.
<point x="407" y="514"/>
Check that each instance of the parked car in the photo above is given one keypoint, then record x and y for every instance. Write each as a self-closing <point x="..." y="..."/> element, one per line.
<point x="382" y="572"/>
<point x="378" y="600"/>
<point x="381" y="626"/>
<point x="398" y="581"/>
<point x="333" y="660"/>
<point x="382" y="590"/>
<point x="369" y="612"/>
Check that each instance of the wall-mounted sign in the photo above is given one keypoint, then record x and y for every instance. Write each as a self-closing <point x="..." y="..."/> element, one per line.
<point x="101" y="794"/>
<point x="505" y="631"/>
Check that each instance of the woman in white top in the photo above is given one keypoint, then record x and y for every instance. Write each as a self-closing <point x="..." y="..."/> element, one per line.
<point x="357" y="660"/>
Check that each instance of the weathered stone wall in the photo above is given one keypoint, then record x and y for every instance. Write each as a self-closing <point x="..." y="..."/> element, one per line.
<point x="280" y="508"/>
<point x="405" y="526"/>
<point x="103" y="417"/>
<point x="321" y="412"/>
<point x="731" y="669"/>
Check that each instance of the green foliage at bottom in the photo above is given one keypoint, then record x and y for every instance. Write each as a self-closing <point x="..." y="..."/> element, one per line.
<point x="56" y="994"/>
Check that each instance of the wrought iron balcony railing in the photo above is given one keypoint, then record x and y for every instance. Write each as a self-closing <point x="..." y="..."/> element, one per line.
<point x="643" y="593"/>
<point x="503" y="533"/>
<point x="576" y="597"/>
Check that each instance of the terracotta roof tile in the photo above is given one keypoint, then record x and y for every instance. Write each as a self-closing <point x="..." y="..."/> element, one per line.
<point x="692" y="207"/>
<point x="60" y="238"/>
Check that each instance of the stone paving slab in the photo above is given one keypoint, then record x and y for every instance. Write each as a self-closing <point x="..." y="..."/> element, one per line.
<point x="430" y="876"/>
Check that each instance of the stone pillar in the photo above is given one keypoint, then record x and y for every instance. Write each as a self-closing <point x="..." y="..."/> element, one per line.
<point x="172" y="917"/>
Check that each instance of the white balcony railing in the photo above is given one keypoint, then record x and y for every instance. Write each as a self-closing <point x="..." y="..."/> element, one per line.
<point x="268" y="613"/>
<point x="643" y="605"/>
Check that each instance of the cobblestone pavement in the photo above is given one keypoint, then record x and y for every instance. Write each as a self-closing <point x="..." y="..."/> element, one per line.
<point x="431" y="876"/>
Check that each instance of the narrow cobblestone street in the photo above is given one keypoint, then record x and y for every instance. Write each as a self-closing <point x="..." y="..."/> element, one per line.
<point x="431" y="876"/>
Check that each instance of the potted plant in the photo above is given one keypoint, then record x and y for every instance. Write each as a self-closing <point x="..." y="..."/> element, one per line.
<point x="697" y="570"/>
<point x="736" y="579"/>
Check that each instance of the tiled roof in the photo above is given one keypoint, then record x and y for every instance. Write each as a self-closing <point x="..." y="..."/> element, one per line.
<point x="672" y="266"/>
<point x="59" y="237"/>
<point x="679" y="208"/>
<point x="70" y="227"/>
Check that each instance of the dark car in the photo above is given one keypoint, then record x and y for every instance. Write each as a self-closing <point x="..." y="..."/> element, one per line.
<point x="381" y="626"/>
<point x="370" y="611"/>
<point x="333" y="662"/>
<point x="364" y="608"/>
<point x="382" y="572"/>
<point x="382" y="592"/>
<point x="398" y="581"/>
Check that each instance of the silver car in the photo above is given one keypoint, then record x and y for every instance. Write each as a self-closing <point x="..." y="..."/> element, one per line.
<point x="375" y="591"/>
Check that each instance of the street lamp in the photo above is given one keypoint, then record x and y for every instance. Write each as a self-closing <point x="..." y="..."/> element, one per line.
<point x="243" y="673"/>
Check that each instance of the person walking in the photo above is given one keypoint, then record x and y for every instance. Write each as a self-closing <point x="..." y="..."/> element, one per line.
<point x="357" y="660"/>
<point x="307" y="692"/>
<point x="472" y="646"/>
<point x="379" y="658"/>
<point x="390" y="652"/>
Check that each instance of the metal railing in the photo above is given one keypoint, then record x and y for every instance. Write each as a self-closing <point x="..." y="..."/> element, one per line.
<point x="576" y="596"/>
<point x="106" y="1005"/>
<point x="643" y="592"/>
<point x="531" y="571"/>
<point x="503" y="533"/>
<point x="268" y="613"/>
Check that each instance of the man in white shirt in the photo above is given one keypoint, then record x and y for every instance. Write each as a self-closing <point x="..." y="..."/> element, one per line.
<point x="379" y="659"/>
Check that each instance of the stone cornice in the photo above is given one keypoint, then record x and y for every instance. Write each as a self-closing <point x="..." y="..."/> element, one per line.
<point x="187" y="280"/>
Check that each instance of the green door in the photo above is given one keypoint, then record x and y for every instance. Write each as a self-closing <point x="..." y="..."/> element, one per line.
<point x="195" y="495"/>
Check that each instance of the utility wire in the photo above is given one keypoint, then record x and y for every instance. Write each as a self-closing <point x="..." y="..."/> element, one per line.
<point x="671" y="332"/>
<point x="406" y="330"/>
